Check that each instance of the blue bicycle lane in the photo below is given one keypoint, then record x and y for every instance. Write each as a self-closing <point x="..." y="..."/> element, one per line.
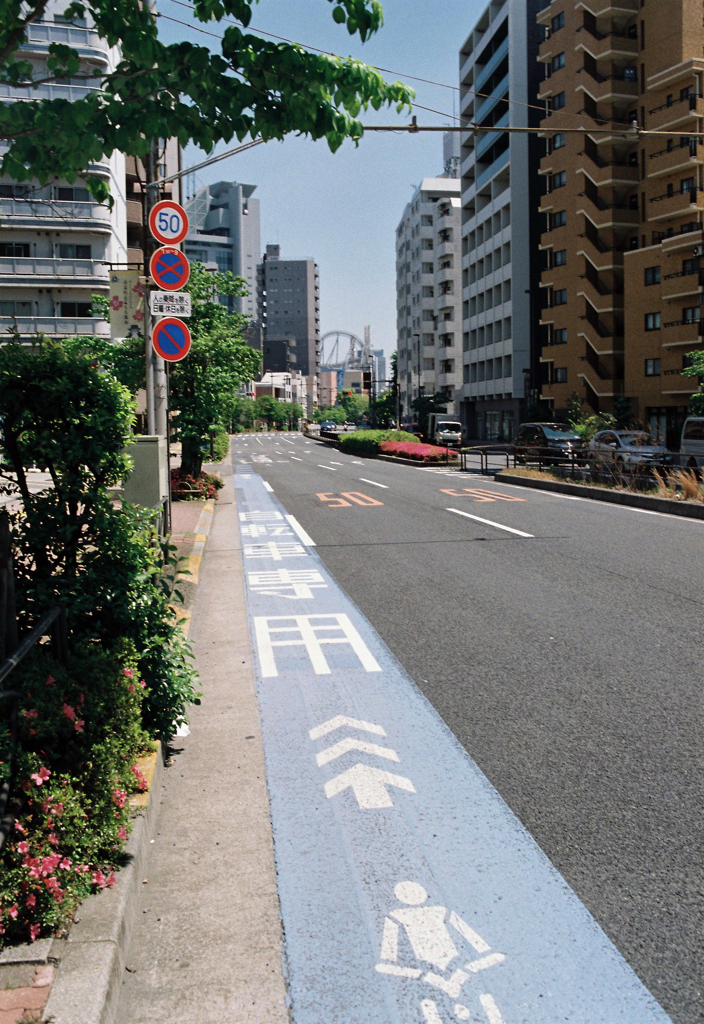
<point x="410" y="893"/>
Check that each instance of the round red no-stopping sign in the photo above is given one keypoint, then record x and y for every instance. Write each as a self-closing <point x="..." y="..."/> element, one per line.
<point x="168" y="222"/>
<point x="169" y="268"/>
<point x="171" y="339"/>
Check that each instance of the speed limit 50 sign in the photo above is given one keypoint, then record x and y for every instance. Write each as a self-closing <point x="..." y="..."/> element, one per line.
<point x="168" y="222"/>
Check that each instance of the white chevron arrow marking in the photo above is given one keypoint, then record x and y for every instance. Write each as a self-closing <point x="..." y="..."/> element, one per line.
<point x="369" y="786"/>
<point x="325" y="756"/>
<point x="338" y="721"/>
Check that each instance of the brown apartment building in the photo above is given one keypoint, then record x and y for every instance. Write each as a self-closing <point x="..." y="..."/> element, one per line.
<point x="622" y="235"/>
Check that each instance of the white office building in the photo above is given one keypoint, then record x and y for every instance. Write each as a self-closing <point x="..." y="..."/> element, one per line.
<point x="428" y="289"/>
<point x="56" y="244"/>
<point x="500" y="234"/>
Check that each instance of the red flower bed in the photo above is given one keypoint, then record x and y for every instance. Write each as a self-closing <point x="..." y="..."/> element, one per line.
<point x="418" y="452"/>
<point x="191" y="488"/>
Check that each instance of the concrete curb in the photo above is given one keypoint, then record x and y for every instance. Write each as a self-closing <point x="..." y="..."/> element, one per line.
<point x="86" y="989"/>
<point x="688" y="509"/>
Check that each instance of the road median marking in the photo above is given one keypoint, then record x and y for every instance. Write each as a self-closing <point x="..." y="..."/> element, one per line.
<point x="298" y="529"/>
<point x="373" y="483"/>
<point x="489" y="522"/>
<point x="267" y="486"/>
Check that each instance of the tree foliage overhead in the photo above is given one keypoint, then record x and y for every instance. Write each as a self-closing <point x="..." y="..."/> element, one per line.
<point x="253" y="87"/>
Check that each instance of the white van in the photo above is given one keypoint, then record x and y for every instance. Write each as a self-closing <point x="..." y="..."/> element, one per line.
<point x="692" y="442"/>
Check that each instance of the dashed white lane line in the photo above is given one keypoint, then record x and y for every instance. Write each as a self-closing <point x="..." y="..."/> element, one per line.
<point x="289" y="442"/>
<point x="296" y="459"/>
<point x="260" y="440"/>
<point x="373" y="483"/>
<point x="488" y="522"/>
<point x="336" y="463"/>
<point x="304" y="537"/>
<point x="321" y="466"/>
<point x="267" y="486"/>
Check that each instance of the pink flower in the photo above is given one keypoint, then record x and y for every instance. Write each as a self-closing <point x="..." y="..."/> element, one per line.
<point x="59" y="809"/>
<point x="142" y="783"/>
<point x="34" y="930"/>
<point x="13" y="911"/>
<point x="23" y="847"/>
<point x="31" y="900"/>
<point x="130" y="688"/>
<point x="65" y="864"/>
<point x="79" y="725"/>
<point x="69" y="712"/>
<point x="122" y="833"/>
<point x="20" y="828"/>
<point x="99" y="879"/>
<point x="128" y="672"/>
<point x="142" y="684"/>
<point x="53" y="839"/>
<point x="119" y="797"/>
<point x="32" y="713"/>
<point x="41" y="776"/>
<point x="49" y="681"/>
<point x="110" y="881"/>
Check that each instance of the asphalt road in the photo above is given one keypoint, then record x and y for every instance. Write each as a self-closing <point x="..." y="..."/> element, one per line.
<point x="567" y="662"/>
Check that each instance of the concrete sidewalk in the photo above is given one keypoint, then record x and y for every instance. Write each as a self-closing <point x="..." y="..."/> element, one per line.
<point x="207" y="946"/>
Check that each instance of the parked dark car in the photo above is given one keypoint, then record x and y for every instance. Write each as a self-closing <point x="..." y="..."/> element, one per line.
<point x="547" y="442"/>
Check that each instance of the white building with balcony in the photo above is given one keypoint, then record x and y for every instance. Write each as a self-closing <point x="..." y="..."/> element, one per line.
<point x="56" y="244"/>
<point x="500" y="231"/>
<point x="428" y="290"/>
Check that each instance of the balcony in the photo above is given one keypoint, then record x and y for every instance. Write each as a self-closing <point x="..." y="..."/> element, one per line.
<point x="675" y="113"/>
<point x="608" y="87"/>
<point x="666" y="206"/>
<point x="497" y="94"/>
<point x="487" y="139"/>
<point x="481" y="75"/>
<point x="445" y="275"/>
<point x="49" y="91"/>
<point x="606" y="44"/>
<point x="682" y="284"/>
<point x="30" y="272"/>
<point x="55" y="326"/>
<point x="18" y="212"/>
<point x="84" y="40"/>
<point x="604" y="214"/>
<point x="606" y="172"/>
<point x="445" y="249"/>
<point x="601" y="388"/>
<point x="680" y="158"/>
<point x="678" y="333"/>
<point x="134" y="211"/>
<point x="488" y="173"/>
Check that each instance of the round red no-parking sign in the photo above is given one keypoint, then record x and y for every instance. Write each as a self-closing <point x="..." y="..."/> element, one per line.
<point x="168" y="222"/>
<point x="169" y="268"/>
<point x="171" y="339"/>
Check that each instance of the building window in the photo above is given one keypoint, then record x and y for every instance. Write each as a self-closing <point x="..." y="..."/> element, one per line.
<point x="558" y="22"/>
<point x="652" y="275"/>
<point x="558" y="180"/>
<point x="15" y="307"/>
<point x="558" y="61"/>
<point x="78" y="309"/>
<point x="558" y="219"/>
<point x="69" y="251"/>
<point x="652" y="321"/>
<point x="558" y="101"/>
<point x="560" y="258"/>
<point x="690" y="314"/>
<point x="561" y="375"/>
<point x="652" y="367"/>
<point x="559" y="336"/>
<point x="14" y="249"/>
<point x="559" y="297"/>
<point x="558" y="140"/>
<point x="687" y="184"/>
<point x="72" y="195"/>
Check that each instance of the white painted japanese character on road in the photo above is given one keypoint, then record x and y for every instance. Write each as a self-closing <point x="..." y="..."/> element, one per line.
<point x="294" y="584"/>
<point x="427" y="932"/>
<point x="276" y="551"/>
<point x="311" y="632"/>
<point x="262" y="530"/>
<point x="259" y="517"/>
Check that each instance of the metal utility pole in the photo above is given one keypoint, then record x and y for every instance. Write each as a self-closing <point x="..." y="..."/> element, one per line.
<point x="157" y="399"/>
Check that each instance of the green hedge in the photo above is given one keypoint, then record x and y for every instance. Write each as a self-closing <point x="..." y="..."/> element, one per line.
<point x="367" y="442"/>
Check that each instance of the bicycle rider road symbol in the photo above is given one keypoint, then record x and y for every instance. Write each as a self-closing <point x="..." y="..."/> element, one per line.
<point x="433" y="945"/>
<point x="171" y="339"/>
<point x="169" y="268"/>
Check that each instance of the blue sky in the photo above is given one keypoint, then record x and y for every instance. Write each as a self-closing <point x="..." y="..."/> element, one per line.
<point x="342" y="209"/>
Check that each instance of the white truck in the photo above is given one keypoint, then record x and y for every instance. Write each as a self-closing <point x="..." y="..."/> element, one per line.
<point x="444" y="430"/>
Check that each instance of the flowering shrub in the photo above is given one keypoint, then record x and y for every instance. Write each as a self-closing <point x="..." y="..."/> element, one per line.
<point x="194" y="488"/>
<point x="367" y="442"/>
<point x="79" y="738"/>
<point x="419" y="452"/>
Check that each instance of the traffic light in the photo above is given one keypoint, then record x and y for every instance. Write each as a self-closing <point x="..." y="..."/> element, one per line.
<point x="367" y="380"/>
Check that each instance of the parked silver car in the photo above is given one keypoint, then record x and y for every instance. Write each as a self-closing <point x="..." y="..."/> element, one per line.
<point x="626" y="450"/>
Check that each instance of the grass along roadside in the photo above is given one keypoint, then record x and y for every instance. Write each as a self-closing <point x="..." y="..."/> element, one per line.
<point x="676" y="485"/>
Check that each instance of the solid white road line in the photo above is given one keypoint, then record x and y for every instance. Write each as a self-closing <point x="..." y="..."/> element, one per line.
<point x="320" y="466"/>
<point x="374" y="483"/>
<point x="268" y="486"/>
<point x="488" y="522"/>
<point x="305" y="538"/>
